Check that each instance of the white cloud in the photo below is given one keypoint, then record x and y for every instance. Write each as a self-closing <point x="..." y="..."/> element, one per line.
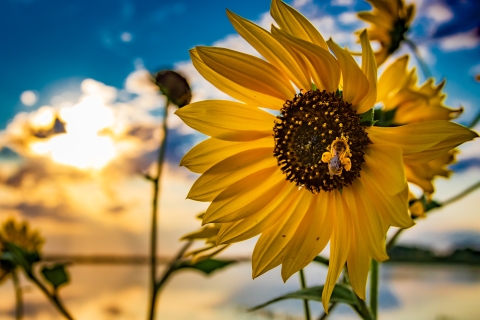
<point x="460" y="41"/>
<point x="342" y="2"/>
<point x="301" y="3"/>
<point x="348" y="18"/>
<point x="29" y="98"/>
<point x="439" y="13"/>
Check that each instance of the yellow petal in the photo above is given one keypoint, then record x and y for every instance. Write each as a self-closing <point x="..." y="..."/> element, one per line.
<point x="269" y="251"/>
<point x="234" y="90"/>
<point x="310" y="238"/>
<point x="282" y="196"/>
<point x="378" y="20"/>
<point x="271" y="50"/>
<point x="324" y="68"/>
<point x="369" y="68"/>
<point x="392" y="78"/>
<point x="358" y="264"/>
<point x="339" y="243"/>
<point x="229" y="171"/>
<point x="247" y="71"/>
<point x="293" y="22"/>
<point x="355" y="84"/>
<point x="384" y="162"/>
<point x="211" y="151"/>
<point x="366" y="221"/>
<point x="227" y="120"/>
<point x="243" y="198"/>
<point x="422" y="142"/>
<point x="393" y="208"/>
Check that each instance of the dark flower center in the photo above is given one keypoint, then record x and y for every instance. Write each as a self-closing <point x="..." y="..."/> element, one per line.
<point x="319" y="142"/>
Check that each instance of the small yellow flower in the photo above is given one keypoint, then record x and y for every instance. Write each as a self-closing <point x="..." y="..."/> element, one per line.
<point x="390" y="20"/>
<point x="415" y="206"/>
<point x="21" y="235"/>
<point x="400" y="95"/>
<point x="264" y="174"/>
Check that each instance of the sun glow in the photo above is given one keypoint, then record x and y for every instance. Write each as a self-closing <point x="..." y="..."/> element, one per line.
<point x="84" y="140"/>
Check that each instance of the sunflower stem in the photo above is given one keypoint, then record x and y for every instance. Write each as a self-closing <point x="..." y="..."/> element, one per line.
<point x="155" y="205"/>
<point x="474" y="121"/>
<point x="306" y="307"/>
<point x="423" y="65"/>
<point x="18" y="296"/>
<point x="374" y="275"/>
<point x="464" y="193"/>
<point x="53" y="296"/>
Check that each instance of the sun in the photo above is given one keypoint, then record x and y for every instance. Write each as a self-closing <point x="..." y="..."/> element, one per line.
<point x="85" y="143"/>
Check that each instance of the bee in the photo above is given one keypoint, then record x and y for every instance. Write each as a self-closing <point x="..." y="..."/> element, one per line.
<point x="337" y="157"/>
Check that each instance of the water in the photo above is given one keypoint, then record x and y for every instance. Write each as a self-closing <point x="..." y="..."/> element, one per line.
<point x="437" y="292"/>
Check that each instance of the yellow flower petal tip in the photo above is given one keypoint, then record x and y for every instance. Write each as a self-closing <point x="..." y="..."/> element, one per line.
<point x="312" y="174"/>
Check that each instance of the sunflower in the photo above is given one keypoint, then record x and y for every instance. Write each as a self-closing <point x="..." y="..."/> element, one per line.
<point x="308" y="172"/>
<point x="404" y="102"/>
<point x="21" y="235"/>
<point x="390" y="20"/>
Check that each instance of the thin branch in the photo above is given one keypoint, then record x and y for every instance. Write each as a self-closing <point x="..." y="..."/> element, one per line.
<point x="52" y="296"/>
<point x="155" y="205"/>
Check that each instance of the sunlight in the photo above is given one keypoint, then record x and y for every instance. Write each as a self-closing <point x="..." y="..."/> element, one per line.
<point x="85" y="143"/>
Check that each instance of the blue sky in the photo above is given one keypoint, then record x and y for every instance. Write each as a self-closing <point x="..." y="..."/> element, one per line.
<point x="50" y="45"/>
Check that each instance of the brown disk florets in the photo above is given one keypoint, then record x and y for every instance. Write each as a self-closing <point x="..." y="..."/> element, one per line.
<point x="305" y="130"/>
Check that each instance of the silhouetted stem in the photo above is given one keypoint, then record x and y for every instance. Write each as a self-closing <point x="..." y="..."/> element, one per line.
<point x="374" y="275"/>
<point x="155" y="205"/>
<point x="53" y="296"/>
<point x="18" y="296"/>
<point x="306" y="307"/>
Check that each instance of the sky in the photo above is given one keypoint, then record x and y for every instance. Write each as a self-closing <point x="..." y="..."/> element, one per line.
<point x="87" y="62"/>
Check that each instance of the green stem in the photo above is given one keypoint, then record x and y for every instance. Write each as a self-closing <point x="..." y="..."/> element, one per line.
<point x="393" y="239"/>
<point x="306" y="307"/>
<point x="474" y="121"/>
<point x="421" y="62"/>
<point x="18" y="297"/>
<point x="173" y="266"/>
<point x="52" y="296"/>
<point x="155" y="205"/>
<point x="374" y="275"/>
<point x="461" y="194"/>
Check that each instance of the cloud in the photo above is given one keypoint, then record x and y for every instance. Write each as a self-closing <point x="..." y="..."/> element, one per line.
<point x="460" y="41"/>
<point x="439" y="13"/>
<point x="29" y="97"/>
<point x="342" y="2"/>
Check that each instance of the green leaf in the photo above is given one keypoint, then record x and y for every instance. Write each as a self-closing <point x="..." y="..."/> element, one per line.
<point x="321" y="260"/>
<point x="314" y="87"/>
<point x="385" y="118"/>
<point x="21" y="257"/>
<point x="366" y="119"/>
<point x="56" y="275"/>
<point x="206" y="266"/>
<point x="340" y="294"/>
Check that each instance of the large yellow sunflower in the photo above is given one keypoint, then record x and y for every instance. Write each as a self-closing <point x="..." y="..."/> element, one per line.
<point x="312" y="174"/>
<point x="390" y="20"/>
